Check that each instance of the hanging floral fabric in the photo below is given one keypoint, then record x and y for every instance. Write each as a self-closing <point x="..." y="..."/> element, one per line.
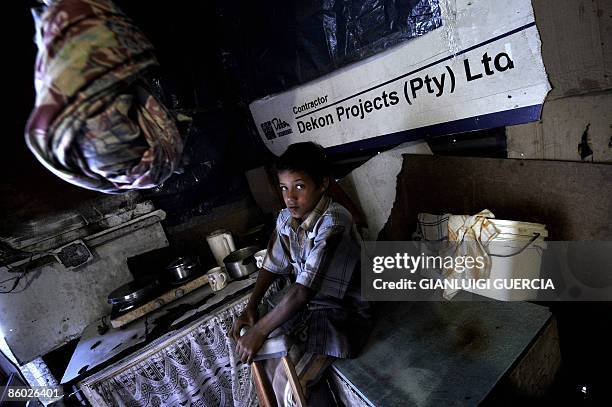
<point x="95" y="122"/>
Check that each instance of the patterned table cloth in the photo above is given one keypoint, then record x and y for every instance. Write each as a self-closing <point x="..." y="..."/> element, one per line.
<point x="195" y="367"/>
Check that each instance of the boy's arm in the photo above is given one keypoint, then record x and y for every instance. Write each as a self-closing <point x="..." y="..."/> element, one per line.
<point x="249" y="315"/>
<point x="277" y="260"/>
<point x="293" y="301"/>
<point x="264" y="281"/>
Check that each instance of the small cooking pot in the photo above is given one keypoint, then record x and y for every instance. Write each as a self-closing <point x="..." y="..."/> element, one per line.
<point x="240" y="263"/>
<point x="182" y="268"/>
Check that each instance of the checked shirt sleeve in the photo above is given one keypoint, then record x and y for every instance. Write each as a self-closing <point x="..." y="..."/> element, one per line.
<point x="278" y="257"/>
<point x="328" y="266"/>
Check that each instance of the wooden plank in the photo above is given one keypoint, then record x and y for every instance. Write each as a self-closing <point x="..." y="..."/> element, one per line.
<point x="265" y="394"/>
<point x="294" y="381"/>
<point x="53" y="231"/>
<point x="159" y="301"/>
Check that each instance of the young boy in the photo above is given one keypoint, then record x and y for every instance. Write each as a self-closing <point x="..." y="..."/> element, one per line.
<point x="316" y="246"/>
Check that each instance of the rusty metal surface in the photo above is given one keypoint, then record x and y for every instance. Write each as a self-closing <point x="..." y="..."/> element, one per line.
<point x="441" y="353"/>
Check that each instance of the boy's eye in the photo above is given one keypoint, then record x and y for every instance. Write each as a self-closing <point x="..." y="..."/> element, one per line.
<point x="283" y="188"/>
<point x="299" y="186"/>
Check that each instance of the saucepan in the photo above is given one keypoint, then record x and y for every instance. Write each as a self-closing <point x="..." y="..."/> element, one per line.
<point x="182" y="269"/>
<point x="240" y="263"/>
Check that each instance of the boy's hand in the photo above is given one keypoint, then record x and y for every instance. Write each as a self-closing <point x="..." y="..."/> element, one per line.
<point x="248" y="345"/>
<point x="294" y="300"/>
<point x="248" y="317"/>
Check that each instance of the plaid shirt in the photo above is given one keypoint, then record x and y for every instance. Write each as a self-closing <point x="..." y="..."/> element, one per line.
<point x="323" y="253"/>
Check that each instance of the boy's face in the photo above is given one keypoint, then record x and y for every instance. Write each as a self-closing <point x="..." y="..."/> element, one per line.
<point x="300" y="192"/>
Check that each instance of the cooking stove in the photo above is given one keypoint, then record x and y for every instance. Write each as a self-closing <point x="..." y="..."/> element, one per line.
<point x="124" y="313"/>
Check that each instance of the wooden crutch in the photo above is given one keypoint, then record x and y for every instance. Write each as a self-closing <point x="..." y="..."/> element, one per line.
<point x="275" y="347"/>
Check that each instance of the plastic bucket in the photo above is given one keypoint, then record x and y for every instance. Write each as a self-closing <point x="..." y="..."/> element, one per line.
<point x="516" y="253"/>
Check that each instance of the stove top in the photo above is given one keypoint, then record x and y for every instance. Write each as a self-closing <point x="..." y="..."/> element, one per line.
<point x="122" y="314"/>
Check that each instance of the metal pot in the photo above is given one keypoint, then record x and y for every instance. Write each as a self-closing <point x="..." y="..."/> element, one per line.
<point x="240" y="263"/>
<point x="182" y="268"/>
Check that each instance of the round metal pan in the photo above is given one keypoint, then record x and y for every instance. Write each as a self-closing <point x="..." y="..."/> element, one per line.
<point x="133" y="292"/>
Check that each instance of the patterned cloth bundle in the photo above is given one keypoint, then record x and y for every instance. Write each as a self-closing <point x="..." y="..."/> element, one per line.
<point x="95" y="122"/>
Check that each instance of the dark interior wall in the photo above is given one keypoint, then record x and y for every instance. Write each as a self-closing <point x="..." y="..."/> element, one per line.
<point x="196" y="46"/>
<point x="565" y="196"/>
<point x="27" y="189"/>
<point x="195" y="80"/>
<point x="215" y="58"/>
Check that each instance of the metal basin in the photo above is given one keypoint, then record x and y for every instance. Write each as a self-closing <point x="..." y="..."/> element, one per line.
<point x="240" y="263"/>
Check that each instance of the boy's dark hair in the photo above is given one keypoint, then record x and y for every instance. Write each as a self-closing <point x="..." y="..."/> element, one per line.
<point x="308" y="157"/>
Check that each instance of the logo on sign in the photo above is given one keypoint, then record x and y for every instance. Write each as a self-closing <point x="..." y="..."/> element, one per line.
<point x="275" y="128"/>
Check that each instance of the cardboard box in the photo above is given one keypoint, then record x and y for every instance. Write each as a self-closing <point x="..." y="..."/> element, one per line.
<point x="576" y="45"/>
<point x="568" y="127"/>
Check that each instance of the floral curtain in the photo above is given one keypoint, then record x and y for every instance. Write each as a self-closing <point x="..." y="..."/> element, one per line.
<point x="199" y="368"/>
